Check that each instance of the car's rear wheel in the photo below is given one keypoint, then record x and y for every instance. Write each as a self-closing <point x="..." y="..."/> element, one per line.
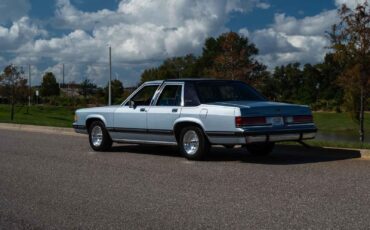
<point x="193" y="143"/>
<point x="99" y="137"/>
<point x="260" y="149"/>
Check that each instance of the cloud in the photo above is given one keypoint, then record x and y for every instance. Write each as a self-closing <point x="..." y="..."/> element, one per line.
<point x="11" y="10"/>
<point x="20" y="32"/>
<point x="263" y="5"/>
<point x="290" y="39"/>
<point x="350" y="3"/>
<point x="314" y="25"/>
<point x="140" y="32"/>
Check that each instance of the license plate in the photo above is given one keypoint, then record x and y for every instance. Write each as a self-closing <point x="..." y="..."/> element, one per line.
<point x="277" y="121"/>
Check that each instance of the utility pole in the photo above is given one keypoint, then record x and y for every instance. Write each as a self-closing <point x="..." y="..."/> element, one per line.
<point x="29" y="85"/>
<point x="110" y="77"/>
<point x="63" y="75"/>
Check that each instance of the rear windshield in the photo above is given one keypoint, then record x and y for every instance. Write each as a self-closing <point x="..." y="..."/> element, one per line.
<point x="219" y="91"/>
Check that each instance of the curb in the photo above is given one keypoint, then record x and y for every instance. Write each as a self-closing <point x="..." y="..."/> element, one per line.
<point x="40" y="129"/>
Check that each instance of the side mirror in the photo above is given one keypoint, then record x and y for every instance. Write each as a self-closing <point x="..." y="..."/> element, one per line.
<point x="132" y="104"/>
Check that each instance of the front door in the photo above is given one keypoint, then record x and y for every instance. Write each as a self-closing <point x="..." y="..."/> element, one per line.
<point x="130" y="122"/>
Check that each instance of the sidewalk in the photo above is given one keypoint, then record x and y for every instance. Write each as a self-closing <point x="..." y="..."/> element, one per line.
<point x="39" y="129"/>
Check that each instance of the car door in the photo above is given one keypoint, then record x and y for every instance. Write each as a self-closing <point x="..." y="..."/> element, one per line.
<point x="164" y="111"/>
<point x="130" y="122"/>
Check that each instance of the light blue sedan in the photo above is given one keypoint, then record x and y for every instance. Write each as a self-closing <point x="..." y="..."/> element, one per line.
<point x="196" y="114"/>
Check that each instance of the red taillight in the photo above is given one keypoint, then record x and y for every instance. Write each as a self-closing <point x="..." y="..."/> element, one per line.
<point x="302" y="119"/>
<point x="247" y="121"/>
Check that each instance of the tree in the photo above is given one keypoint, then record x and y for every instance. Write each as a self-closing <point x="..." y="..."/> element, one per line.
<point x="87" y="88"/>
<point x="116" y="90"/>
<point x="177" y="67"/>
<point x="11" y="80"/>
<point x="229" y="56"/>
<point x="232" y="57"/>
<point x="350" y="40"/>
<point x="49" y="86"/>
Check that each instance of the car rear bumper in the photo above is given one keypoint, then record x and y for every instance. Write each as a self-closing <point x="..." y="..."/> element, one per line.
<point x="281" y="135"/>
<point x="249" y="137"/>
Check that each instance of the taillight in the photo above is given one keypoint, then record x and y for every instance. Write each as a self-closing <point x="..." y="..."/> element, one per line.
<point x="300" y="119"/>
<point x="248" y="121"/>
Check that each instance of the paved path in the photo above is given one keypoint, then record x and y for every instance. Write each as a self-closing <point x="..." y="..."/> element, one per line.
<point x="52" y="181"/>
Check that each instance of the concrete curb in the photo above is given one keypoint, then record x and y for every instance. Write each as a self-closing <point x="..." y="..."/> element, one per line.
<point x="365" y="153"/>
<point x="39" y="129"/>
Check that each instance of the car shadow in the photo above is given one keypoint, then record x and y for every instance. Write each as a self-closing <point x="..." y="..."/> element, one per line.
<point x="282" y="155"/>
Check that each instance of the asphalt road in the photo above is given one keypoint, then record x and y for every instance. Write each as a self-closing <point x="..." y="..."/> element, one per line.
<point x="50" y="181"/>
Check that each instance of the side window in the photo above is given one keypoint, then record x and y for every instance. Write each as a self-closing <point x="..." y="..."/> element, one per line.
<point x="170" y="96"/>
<point x="145" y="95"/>
<point x="190" y="95"/>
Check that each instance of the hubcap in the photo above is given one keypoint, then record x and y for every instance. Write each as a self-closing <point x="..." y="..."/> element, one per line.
<point x="191" y="142"/>
<point x="96" y="136"/>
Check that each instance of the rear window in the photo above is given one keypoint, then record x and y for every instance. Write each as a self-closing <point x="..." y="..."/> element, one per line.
<point x="220" y="91"/>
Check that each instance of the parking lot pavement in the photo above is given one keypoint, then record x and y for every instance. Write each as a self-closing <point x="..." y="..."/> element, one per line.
<point x="51" y="181"/>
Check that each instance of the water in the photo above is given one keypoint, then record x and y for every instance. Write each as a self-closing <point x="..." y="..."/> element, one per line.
<point x="341" y="137"/>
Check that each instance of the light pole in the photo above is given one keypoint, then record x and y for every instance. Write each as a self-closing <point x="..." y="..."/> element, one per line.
<point x="110" y="77"/>
<point x="29" y="85"/>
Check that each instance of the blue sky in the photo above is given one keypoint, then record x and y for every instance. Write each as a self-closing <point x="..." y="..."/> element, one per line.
<point x="143" y="33"/>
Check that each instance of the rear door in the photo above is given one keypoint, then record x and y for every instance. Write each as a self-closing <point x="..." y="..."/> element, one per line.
<point x="164" y="111"/>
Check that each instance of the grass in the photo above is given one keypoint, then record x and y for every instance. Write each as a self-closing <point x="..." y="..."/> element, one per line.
<point x="38" y="115"/>
<point x="326" y="122"/>
<point x="339" y="122"/>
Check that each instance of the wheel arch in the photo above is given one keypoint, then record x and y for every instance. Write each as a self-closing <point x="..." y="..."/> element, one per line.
<point x="180" y="124"/>
<point x="91" y="118"/>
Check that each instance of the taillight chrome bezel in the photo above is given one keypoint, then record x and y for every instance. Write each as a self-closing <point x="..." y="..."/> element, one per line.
<point x="250" y="121"/>
<point x="299" y="119"/>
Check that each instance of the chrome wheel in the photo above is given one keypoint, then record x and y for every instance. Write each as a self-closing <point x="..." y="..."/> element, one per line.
<point x="191" y="142"/>
<point x="97" y="136"/>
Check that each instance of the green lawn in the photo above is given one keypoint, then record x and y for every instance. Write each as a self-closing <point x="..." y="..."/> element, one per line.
<point x="339" y="122"/>
<point x="39" y="115"/>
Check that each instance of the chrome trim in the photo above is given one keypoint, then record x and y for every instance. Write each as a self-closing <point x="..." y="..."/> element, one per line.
<point x="139" y="88"/>
<point x="144" y="142"/>
<point x="160" y="89"/>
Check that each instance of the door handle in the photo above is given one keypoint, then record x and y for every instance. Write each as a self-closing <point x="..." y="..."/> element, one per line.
<point x="142" y="110"/>
<point x="174" y="110"/>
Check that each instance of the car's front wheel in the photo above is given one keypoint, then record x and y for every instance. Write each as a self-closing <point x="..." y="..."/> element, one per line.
<point x="193" y="143"/>
<point x="260" y="149"/>
<point x="99" y="137"/>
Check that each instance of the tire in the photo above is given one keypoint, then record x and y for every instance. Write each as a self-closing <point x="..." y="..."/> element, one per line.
<point x="260" y="149"/>
<point x="103" y="143"/>
<point x="193" y="143"/>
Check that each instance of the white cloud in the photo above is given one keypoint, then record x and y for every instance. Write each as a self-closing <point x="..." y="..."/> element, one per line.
<point x="20" y="32"/>
<point x="141" y="32"/>
<point x="350" y="3"/>
<point x="315" y="25"/>
<point x="11" y="10"/>
<point x="290" y="39"/>
<point x="263" y="5"/>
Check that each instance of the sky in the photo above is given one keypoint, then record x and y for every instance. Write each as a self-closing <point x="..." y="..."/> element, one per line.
<point x="142" y="33"/>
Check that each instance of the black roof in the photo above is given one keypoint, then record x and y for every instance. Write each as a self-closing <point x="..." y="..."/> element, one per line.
<point x="196" y="79"/>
